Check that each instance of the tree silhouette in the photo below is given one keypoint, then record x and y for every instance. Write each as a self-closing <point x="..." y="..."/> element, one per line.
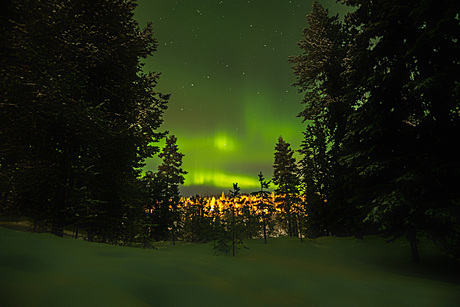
<point x="382" y="91"/>
<point x="233" y="195"/>
<point x="264" y="204"/>
<point x="165" y="190"/>
<point x="404" y="62"/>
<point x="286" y="177"/>
<point x="320" y="75"/>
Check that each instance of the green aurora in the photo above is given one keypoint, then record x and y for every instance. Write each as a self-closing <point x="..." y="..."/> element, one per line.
<point x="225" y="64"/>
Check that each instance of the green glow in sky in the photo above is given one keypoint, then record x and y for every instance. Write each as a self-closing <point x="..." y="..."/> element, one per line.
<point x="219" y="178"/>
<point x="225" y="64"/>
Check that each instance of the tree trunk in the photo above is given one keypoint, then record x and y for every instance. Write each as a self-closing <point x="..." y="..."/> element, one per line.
<point x="299" y="223"/>
<point x="265" y="229"/>
<point x="412" y="238"/>
<point x="174" y="226"/>
<point x="214" y="228"/>
<point x="76" y="231"/>
<point x="59" y="210"/>
<point x="249" y="225"/>
<point x="90" y="235"/>
<point x="233" y="231"/>
<point x="289" y="224"/>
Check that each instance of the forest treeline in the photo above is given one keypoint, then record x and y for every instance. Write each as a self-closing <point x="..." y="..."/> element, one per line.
<point x="79" y="116"/>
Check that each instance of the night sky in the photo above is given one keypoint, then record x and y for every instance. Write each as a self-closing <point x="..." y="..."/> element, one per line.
<point x="225" y="65"/>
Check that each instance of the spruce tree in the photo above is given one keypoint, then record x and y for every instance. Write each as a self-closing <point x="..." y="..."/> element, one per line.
<point x="403" y="67"/>
<point x="319" y="71"/>
<point x="286" y="177"/>
<point x="164" y="190"/>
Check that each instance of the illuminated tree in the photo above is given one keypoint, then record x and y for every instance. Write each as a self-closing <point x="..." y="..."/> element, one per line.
<point x="229" y="230"/>
<point x="286" y="177"/>
<point x="247" y="216"/>
<point x="198" y="220"/>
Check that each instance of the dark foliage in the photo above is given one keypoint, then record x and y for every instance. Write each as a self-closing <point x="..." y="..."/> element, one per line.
<point x="382" y="91"/>
<point x="78" y="114"/>
<point x="286" y="177"/>
<point x="264" y="206"/>
<point x="163" y="188"/>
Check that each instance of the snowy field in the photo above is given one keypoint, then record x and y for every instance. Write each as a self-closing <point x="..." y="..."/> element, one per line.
<point x="44" y="270"/>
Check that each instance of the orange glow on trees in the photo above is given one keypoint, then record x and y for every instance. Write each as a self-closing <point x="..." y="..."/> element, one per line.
<point x="255" y="216"/>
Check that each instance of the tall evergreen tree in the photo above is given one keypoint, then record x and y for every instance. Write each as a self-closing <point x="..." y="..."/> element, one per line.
<point x="165" y="189"/>
<point x="286" y="177"/>
<point x="314" y="171"/>
<point x="319" y="71"/>
<point x="403" y="68"/>
<point x="170" y="170"/>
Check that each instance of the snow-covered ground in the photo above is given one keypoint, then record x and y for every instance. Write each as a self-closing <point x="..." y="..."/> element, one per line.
<point x="44" y="270"/>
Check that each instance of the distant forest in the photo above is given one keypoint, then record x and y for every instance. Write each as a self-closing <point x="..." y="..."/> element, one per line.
<point x="79" y="116"/>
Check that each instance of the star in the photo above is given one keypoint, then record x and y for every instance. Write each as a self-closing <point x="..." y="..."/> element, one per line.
<point x="242" y="62"/>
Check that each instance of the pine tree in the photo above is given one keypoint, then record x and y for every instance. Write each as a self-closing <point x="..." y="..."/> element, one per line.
<point x="165" y="190"/>
<point x="286" y="177"/>
<point x="319" y="71"/>
<point x="314" y="171"/>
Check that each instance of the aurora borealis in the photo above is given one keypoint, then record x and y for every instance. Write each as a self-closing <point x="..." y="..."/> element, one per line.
<point x="225" y="65"/>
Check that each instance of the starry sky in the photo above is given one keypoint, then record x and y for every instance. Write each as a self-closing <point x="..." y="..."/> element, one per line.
<point x="224" y="62"/>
